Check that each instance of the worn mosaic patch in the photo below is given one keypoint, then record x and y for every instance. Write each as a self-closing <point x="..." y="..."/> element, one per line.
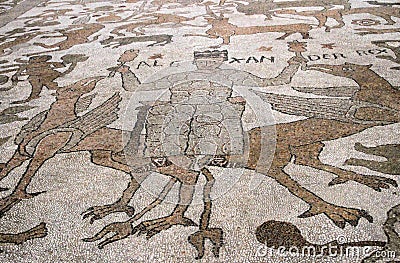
<point x="184" y="131"/>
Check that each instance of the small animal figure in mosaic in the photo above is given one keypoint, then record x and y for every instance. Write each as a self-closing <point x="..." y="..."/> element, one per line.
<point x="74" y="34"/>
<point x="159" y="19"/>
<point x="267" y="7"/>
<point x="383" y="3"/>
<point x="377" y="31"/>
<point x="161" y="3"/>
<point x="391" y="249"/>
<point x="337" y="14"/>
<point x="159" y="40"/>
<point x="221" y="28"/>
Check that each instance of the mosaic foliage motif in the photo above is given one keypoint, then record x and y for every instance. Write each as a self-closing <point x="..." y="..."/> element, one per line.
<point x="174" y="131"/>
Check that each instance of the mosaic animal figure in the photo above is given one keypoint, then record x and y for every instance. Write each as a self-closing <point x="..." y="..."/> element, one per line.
<point x="47" y="19"/>
<point x="159" y="19"/>
<point x="75" y="35"/>
<point x="343" y="117"/>
<point x="41" y="73"/>
<point x="337" y="14"/>
<point x="54" y="131"/>
<point x="159" y="40"/>
<point x="276" y="234"/>
<point x="10" y="114"/>
<point x="391" y="248"/>
<point x="161" y="3"/>
<point x="221" y="28"/>
<point x="369" y="31"/>
<point x="267" y="7"/>
<point x="382" y="3"/>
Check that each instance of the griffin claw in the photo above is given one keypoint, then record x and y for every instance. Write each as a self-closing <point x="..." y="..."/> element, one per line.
<point x="197" y="239"/>
<point x="339" y="215"/>
<point x="121" y="231"/>
<point x="153" y="227"/>
<point x="375" y="182"/>
<point x="99" y="212"/>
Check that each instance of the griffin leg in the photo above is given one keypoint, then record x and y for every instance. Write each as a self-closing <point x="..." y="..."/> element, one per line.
<point x="45" y="150"/>
<point x="309" y="155"/>
<point x="16" y="160"/>
<point x="338" y="214"/>
<point x="104" y="158"/>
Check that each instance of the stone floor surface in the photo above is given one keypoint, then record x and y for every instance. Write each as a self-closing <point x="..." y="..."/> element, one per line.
<point x="199" y="131"/>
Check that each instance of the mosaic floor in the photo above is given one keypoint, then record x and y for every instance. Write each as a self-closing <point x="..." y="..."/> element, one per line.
<point x="199" y="131"/>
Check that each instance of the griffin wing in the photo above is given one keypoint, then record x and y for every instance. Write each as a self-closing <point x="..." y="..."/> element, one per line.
<point x="83" y="103"/>
<point x="99" y="117"/>
<point x="345" y="91"/>
<point x="325" y="108"/>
